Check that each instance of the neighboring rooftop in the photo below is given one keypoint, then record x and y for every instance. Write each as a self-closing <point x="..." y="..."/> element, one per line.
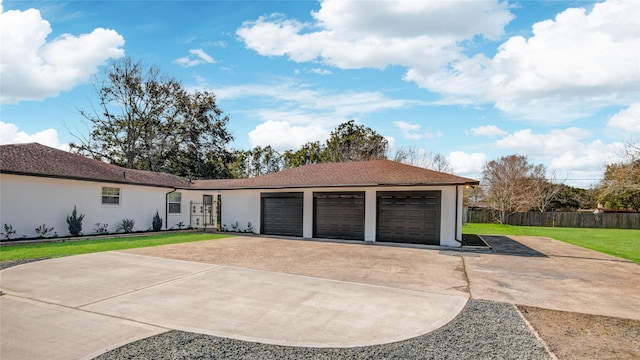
<point x="39" y="160"/>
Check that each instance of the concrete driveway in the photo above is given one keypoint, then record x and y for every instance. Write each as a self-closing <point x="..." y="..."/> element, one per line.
<point x="290" y="292"/>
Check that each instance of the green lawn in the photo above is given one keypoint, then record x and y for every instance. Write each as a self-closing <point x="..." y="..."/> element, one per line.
<point x="59" y="249"/>
<point x="618" y="242"/>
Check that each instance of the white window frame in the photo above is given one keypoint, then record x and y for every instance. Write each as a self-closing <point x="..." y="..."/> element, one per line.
<point x="116" y="195"/>
<point x="171" y="200"/>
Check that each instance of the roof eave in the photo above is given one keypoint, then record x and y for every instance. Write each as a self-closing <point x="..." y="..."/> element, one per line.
<point x="78" y="178"/>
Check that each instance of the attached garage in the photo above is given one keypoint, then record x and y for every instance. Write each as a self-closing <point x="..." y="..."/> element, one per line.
<point x="409" y="217"/>
<point x="338" y="215"/>
<point x="281" y="214"/>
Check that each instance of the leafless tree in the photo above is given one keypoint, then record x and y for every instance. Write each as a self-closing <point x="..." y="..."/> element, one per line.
<point x="545" y="189"/>
<point x="510" y="183"/>
<point x="423" y="159"/>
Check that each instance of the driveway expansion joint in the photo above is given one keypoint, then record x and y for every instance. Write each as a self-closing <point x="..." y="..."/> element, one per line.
<point x="142" y="288"/>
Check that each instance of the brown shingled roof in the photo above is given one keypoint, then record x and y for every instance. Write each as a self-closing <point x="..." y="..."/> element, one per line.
<point x="39" y="160"/>
<point x="364" y="173"/>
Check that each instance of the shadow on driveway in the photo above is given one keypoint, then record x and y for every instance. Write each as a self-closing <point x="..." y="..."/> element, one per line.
<point x="506" y="246"/>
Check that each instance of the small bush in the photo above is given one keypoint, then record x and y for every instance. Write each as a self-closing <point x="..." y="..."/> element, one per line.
<point x="180" y="225"/>
<point x="101" y="228"/>
<point x="156" y="224"/>
<point x="43" y="231"/>
<point x="250" y="228"/>
<point x="8" y="231"/>
<point x="235" y="227"/>
<point x="74" y="223"/>
<point x="126" y="225"/>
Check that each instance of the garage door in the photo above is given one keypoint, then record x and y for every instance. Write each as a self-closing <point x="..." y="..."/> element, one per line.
<point x="409" y="217"/>
<point x="281" y="214"/>
<point x="338" y="215"/>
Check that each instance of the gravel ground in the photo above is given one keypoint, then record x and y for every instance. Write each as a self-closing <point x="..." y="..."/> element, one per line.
<point x="483" y="330"/>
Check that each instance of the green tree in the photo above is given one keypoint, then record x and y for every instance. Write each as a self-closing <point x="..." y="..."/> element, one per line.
<point x="351" y="142"/>
<point x="202" y="137"/>
<point x="309" y="153"/>
<point x="573" y="198"/>
<point x="255" y="162"/>
<point x="620" y="187"/>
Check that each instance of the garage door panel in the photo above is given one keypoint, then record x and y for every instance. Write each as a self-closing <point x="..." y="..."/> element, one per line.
<point x="282" y="214"/>
<point x="339" y="215"/>
<point x="409" y="217"/>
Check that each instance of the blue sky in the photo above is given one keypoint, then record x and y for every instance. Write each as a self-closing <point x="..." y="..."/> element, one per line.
<point x="558" y="81"/>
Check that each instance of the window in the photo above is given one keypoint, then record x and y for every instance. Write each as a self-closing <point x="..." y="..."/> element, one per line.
<point x="110" y="196"/>
<point x="175" y="203"/>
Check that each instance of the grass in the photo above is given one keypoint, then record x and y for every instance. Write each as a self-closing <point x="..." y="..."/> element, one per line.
<point x="618" y="242"/>
<point x="68" y="248"/>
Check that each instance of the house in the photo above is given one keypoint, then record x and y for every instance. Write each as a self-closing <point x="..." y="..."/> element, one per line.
<point x="379" y="200"/>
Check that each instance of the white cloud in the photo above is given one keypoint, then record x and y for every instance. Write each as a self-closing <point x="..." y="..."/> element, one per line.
<point x="414" y="132"/>
<point x="627" y="120"/>
<point x="563" y="149"/>
<point x="300" y="98"/>
<point x="592" y="156"/>
<point x="467" y="164"/>
<point x="320" y="71"/>
<point x="282" y="135"/>
<point x="543" y="145"/>
<point x="569" y="68"/>
<point x="196" y="57"/>
<point x="33" y="68"/>
<point x="488" y="130"/>
<point x="357" y="34"/>
<point x="10" y="134"/>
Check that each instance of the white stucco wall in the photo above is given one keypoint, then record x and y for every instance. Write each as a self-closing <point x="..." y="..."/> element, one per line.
<point x="243" y="206"/>
<point x="27" y="202"/>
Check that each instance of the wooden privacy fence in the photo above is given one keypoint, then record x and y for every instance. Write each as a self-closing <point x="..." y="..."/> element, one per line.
<point x="560" y="219"/>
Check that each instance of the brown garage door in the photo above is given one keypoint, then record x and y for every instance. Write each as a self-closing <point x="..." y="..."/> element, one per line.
<point x="281" y="214"/>
<point x="409" y="217"/>
<point x="338" y="215"/>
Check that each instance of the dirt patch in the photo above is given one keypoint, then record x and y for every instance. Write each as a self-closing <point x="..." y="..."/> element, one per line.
<point x="572" y="335"/>
<point x="410" y="269"/>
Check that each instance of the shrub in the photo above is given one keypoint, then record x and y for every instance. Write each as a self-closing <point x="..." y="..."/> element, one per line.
<point x="180" y="225"/>
<point x="156" y="224"/>
<point x="43" y="231"/>
<point x="74" y="223"/>
<point x="235" y="227"/>
<point x="250" y="228"/>
<point x="8" y="231"/>
<point x="126" y="225"/>
<point x="101" y="228"/>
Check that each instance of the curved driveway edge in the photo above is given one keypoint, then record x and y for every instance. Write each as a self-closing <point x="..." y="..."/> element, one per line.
<point x="92" y="303"/>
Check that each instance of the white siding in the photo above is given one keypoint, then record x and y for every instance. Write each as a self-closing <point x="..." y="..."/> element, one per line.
<point x="27" y="202"/>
